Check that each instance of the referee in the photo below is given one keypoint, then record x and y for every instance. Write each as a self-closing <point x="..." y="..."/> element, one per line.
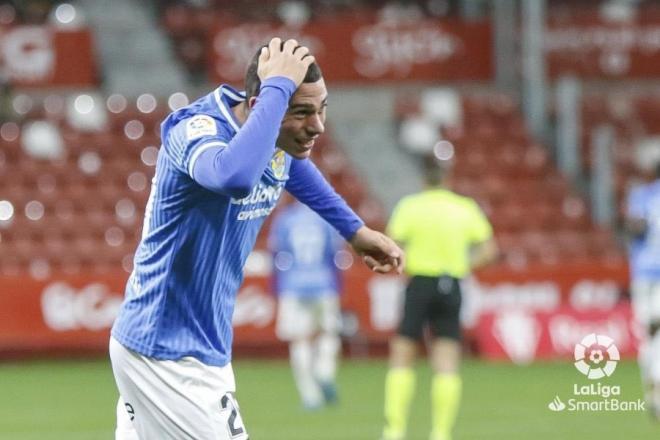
<point x="445" y="235"/>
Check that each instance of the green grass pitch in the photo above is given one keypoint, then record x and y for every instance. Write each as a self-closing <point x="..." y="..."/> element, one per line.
<point x="75" y="400"/>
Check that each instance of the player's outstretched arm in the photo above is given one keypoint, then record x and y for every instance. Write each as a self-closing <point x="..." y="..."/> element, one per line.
<point x="309" y="186"/>
<point x="378" y="251"/>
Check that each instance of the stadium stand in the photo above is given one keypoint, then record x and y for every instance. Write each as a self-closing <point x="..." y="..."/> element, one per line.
<point x="537" y="216"/>
<point x="635" y="118"/>
<point x="83" y="210"/>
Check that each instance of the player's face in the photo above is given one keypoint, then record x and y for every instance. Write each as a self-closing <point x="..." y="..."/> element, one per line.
<point x="304" y="120"/>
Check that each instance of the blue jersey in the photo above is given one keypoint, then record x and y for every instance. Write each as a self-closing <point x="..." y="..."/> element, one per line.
<point x="644" y="203"/>
<point x="304" y="248"/>
<point x="201" y="222"/>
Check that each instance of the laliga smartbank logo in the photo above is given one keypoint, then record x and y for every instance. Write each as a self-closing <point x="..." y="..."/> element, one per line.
<point x="596" y="357"/>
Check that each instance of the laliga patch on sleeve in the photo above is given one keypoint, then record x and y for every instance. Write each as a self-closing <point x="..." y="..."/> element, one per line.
<point x="200" y="125"/>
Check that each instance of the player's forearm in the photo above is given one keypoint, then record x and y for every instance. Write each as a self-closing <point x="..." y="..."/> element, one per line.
<point x="236" y="169"/>
<point x="309" y="186"/>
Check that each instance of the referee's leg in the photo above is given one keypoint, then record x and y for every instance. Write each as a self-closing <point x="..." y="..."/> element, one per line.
<point x="400" y="379"/>
<point x="445" y="357"/>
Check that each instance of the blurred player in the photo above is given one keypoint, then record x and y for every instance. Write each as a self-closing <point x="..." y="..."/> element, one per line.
<point x="445" y="236"/>
<point x="307" y="283"/>
<point x="224" y="162"/>
<point x="643" y="225"/>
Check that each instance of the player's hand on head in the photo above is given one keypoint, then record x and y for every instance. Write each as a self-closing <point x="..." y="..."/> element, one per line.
<point x="379" y="252"/>
<point x="287" y="59"/>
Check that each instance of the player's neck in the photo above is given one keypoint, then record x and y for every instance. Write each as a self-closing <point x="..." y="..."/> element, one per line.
<point x="241" y="112"/>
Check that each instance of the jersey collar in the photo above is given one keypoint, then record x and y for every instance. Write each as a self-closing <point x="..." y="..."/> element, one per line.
<point x="227" y="97"/>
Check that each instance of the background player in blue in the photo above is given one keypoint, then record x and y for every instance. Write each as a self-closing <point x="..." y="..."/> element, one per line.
<point x="307" y="282"/>
<point x="643" y="226"/>
<point x="224" y="162"/>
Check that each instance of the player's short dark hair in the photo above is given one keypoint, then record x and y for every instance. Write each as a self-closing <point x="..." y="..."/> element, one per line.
<point x="253" y="83"/>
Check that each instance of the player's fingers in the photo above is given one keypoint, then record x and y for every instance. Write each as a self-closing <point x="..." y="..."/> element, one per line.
<point x="300" y="52"/>
<point x="397" y="256"/>
<point x="401" y="263"/>
<point x="275" y="45"/>
<point x="382" y="268"/>
<point x="396" y="263"/>
<point x="376" y="265"/>
<point x="263" y="55"/>
<point x="290" y="46"/>
<point x="390" y="247"/>
<point x="370" y="261"/>
<point x="308" y="60"/>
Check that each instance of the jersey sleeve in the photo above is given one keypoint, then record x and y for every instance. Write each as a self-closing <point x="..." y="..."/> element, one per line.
<point x="191" y="137"/>
<point x="232" y="164"/>
<point x="480" y="229"/>
<point x="307" y="184"/>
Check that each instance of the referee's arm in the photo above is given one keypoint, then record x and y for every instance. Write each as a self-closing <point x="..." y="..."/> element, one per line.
<point x="483" y="254"/>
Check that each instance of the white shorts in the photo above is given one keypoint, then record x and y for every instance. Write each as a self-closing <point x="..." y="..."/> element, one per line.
<point x="302" y="317"/>
<point x="181" y="399"/>
<point x="646" y="301"/>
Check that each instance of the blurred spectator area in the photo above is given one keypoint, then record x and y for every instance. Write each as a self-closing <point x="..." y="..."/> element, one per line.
<point x="635" y="119"/>
<point x="561" y="10"/>
<point x="15" y="12"/>
<point x="537" y="216"/>
<point x="75" y="175"/>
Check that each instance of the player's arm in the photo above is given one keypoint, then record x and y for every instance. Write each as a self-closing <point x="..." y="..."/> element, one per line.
<point x="236" y="168"/>
<point x="309" y="186"/>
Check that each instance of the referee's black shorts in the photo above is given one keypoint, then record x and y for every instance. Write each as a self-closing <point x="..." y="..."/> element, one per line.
<point x="435" y="301"/>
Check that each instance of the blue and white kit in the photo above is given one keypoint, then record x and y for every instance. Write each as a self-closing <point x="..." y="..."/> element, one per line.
<point x="214" y="185"/>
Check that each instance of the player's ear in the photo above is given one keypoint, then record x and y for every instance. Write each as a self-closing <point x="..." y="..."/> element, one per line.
<point x="251" y="102"/>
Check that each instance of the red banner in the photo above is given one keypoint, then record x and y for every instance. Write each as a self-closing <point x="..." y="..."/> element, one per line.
<point x="588" y="45"/>
<point x="43" y="56"/>
<point x="75" y="312"/>
<point x="360" y="49"/>
<point x="523" y="336"/>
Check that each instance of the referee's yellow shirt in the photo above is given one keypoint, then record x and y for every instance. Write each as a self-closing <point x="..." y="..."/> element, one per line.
<point x="437" y="228"/>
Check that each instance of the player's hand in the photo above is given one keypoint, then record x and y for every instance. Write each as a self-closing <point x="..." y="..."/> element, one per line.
<point x="378" y="251"/>
<point x="289" y="60"/>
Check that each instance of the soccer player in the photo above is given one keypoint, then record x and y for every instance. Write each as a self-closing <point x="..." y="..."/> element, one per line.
<point x="304" y="247"/>
<point x="224" y="162"/>
<point x="643" y="226"/>
<point x="445" y="236"/>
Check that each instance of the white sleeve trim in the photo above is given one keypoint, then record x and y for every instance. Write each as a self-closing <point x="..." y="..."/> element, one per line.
<point x="199" y="151"/>
<point x="224" y="111"/>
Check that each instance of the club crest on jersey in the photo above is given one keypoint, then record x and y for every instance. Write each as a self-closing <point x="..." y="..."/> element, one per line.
<point x="200" y="125"/>
<point x="278" y="164"/>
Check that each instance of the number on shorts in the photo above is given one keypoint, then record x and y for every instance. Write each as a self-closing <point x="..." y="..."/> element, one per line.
<point x="235" y="426"/>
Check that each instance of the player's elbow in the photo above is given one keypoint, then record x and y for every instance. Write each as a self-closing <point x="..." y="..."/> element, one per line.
<point x="230" y="185"/>
<point x="238" y="192"/>
<point x="239" y="187"/>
